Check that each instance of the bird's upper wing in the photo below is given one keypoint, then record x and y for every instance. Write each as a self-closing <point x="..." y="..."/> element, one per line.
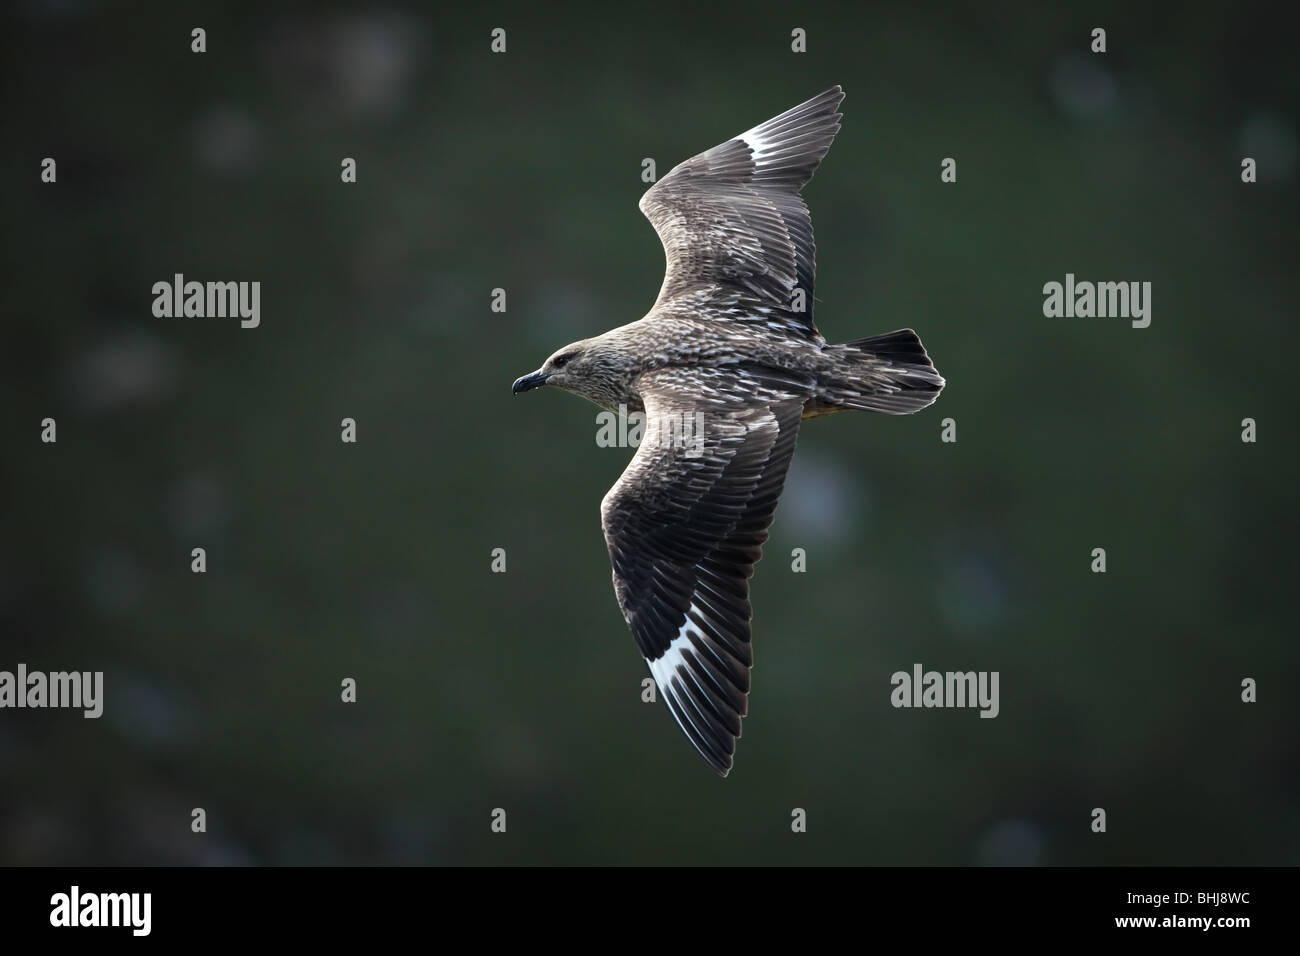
<point x="685" y="525"/>
<point x="732" y="216"/>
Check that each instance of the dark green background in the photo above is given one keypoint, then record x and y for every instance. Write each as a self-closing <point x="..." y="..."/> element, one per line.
<point x="521" y="690"/>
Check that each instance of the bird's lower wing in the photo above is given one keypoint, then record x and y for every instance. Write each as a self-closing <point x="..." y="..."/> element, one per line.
<point x="685" y="525"/>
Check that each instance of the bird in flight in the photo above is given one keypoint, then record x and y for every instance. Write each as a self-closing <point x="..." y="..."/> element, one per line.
<point x="725" y="366"/>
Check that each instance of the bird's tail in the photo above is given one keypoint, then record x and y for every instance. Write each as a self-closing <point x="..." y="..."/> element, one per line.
<point x="888" y="373"/>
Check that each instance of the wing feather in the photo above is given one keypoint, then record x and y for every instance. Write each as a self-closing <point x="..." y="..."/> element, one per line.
<point x="684" y="533"/>
<point x="731" y="219"/>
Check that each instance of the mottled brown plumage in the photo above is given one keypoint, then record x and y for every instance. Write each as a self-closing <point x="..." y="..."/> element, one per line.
<point x="726" y="365"/>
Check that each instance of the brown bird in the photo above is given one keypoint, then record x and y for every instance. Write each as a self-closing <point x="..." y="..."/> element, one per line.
<point x="725" y="366"/>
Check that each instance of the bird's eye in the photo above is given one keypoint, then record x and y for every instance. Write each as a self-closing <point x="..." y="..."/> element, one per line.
<point x="561" y="361"/>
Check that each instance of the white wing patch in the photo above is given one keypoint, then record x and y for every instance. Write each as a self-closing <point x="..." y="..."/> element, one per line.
<point x="759" y="145"/>
<point x="671" y="663"/>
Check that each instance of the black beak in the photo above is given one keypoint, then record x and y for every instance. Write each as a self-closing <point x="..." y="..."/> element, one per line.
<point x="534" y="380"/>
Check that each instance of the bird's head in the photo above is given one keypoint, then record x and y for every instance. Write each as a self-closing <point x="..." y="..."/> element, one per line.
<point x="593" y="368"/>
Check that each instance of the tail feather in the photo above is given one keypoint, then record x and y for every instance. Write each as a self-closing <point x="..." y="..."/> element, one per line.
<point x="890" y="373"/>
<point x="903" y="346"/>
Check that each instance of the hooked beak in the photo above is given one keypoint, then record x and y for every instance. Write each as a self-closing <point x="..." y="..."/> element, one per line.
<point x="533" y="380"/>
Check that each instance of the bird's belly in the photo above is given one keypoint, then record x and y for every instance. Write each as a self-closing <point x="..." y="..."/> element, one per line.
<point x="816" y="409"/>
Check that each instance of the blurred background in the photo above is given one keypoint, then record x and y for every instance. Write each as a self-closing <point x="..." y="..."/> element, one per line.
<point x="521" y="690"/>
